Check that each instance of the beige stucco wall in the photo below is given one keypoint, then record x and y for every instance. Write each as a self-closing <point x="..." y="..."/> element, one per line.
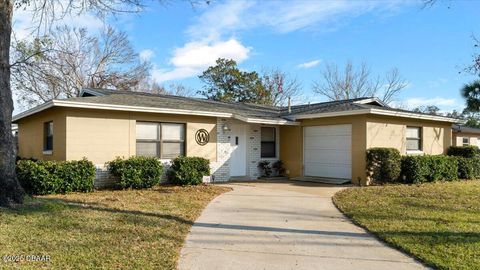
<point x="291" y="149"/>
<point x="30" y="135"/>
<point x="102" y="135"/>
<point x="385" y="131"/>
<point x="367" y="131"/>
<point x="457" y="138"/>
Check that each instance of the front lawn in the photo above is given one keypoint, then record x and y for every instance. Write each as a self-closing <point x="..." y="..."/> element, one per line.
<point x="133" y="229"/>
<point x="439" y="223"/>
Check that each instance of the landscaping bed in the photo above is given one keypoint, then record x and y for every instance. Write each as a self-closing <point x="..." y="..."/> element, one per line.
<point x="127" y="229"/>
<point x="439" y="223"/>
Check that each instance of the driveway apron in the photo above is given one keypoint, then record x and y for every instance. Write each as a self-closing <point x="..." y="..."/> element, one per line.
<point x="285" y="225"/>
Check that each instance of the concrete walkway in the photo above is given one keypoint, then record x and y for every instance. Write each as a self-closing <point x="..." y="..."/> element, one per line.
<point x="286" y="225"/>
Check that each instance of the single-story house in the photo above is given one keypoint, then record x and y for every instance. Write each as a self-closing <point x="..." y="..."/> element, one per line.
<point x="465" y="136"/>
<point x="317" y="141"/>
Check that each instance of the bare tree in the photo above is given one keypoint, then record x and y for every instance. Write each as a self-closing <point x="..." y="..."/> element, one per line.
<point x="71" y="59"/>
<point x="358" y="82"/>
<point x="46" y="12"/>
<point x="280" y="86"/>
<point x="174" y="89"/>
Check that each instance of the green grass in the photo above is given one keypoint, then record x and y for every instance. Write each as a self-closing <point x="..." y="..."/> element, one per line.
<point x="439" y="223"/>
<point x="132" y="229"/>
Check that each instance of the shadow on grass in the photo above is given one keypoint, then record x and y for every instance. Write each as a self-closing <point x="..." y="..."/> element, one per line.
<point x="56" y="205"/>
<point x="435" y="237"/>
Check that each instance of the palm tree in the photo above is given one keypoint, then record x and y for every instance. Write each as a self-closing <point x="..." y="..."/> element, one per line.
<point x="471" y="93"/>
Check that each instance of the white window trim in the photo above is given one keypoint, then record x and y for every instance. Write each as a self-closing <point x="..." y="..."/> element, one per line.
<point x="161" y="141"/>
<point x="414" y="151"/>
<point x="47" y="152"/>
<point x="277" y="143"/>
<point x="466" y="144"/>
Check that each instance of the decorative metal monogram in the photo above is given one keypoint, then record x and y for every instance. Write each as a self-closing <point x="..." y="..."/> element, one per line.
<point x="202" y="137"/>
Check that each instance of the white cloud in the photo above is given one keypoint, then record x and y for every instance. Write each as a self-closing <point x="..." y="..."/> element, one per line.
<point x="236" y="15"/>
<point x="213" y="33"/>
<point x="146" y="55"/>
<point x="309" y="64"/>
<point x="194" y="57"/>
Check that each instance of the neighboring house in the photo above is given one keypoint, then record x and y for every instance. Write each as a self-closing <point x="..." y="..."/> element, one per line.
<point x="464" y="136"/>
<point x="322" y="140"/>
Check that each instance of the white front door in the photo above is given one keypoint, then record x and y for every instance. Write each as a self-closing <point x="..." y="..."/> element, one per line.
<point x="238" y="156"/>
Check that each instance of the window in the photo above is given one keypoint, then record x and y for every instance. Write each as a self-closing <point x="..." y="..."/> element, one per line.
<point x="268" y="146"/>
<point x="162" y="140"/>
<point x="48" y="136"/>
<point x="414" y="138"/>
<point x="465" y="141"/>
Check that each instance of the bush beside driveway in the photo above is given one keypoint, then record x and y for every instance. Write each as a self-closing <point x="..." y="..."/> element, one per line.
<point x="127" y="229"/>
<point x="438" y="223"/>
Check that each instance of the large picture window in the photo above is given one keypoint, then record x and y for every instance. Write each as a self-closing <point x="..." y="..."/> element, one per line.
<point x="414" y="138"/>
<point x="269" y="144"/>
<point x="162" y="140"/>
<point x="48" y="136"/>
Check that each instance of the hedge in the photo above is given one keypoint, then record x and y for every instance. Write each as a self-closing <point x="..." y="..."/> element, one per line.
<point x="383" y="164"/>
<point x="136" y="172"/>
<point x="51" y="177"/>
<point x="429" y="168"/>
<point x="468" y="168"/>
<point x="189" y="170"/>
<point x="463" y="151"/>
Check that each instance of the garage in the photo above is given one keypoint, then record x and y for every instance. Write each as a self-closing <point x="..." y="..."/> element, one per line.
<point x="327" y="151"/>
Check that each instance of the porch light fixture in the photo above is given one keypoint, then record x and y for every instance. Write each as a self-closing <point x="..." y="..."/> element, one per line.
<point x="225" y="128"/>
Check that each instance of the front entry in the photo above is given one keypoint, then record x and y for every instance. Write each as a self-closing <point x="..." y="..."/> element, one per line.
<point x="238" y="156"/>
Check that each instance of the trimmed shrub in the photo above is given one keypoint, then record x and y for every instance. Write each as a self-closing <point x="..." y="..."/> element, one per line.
<point x="51" y="177"/>
<point x="383" y="164"/>
<point x="189" y="170"/>
<point x="78" y="175"/>
<point x="136" y="172"/>
<point x="426" y="168"/>
<point x="468" y="168"/>
<point x="265" y="168"/>
<point x="279" y="168"/>
<point x="463" y="151"/>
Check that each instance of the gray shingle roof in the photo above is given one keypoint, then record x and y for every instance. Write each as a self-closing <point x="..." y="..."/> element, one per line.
<point x="465" y="129"/>
<point x="129" y="98"/>
<point x="243" y="111"/>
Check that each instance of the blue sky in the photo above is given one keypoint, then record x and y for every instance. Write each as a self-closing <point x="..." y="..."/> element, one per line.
<point x="428" y="46"/>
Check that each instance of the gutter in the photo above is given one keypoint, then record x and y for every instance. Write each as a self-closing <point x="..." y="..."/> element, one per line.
<point x="100" y="106"/>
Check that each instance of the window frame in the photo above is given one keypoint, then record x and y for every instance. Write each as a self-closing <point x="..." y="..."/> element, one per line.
<point x="275" y="143"/>
<point x="48" y="149"/>
<point x="159" y="142"/>
<point x="419" y="139"/>
<point x="463" y="141"/>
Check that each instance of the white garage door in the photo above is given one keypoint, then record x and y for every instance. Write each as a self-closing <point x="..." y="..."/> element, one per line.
<point x="327" y="151"/>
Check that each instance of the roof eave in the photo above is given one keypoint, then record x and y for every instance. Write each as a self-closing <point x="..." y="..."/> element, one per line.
<point x="100" y="106"/>
<point x="378" y="112"/>
<point x="373" y="99"/>
<point x="91" y="92"/>
<point x="34" y="110"/>
<point x="416" y="116"/>
<point x="278" y="121"/>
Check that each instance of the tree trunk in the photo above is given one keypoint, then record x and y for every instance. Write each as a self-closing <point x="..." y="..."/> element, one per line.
<point x="10" y="189"/>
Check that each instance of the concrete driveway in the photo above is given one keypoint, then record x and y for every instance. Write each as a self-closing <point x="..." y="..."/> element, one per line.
<point x="283" y="225"/>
